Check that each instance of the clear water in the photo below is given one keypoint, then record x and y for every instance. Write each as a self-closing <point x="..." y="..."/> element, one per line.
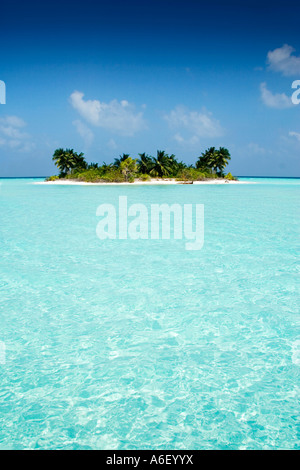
<point x="142" y="344"/>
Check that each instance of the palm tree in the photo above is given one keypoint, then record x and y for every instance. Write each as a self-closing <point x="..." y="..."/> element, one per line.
<point x="95" y="166"/>
<point x="121" y="159"/>
<point x="213" y="159"/>
<point x="206" y="160"/>
<point x="67" y="160"/>
<point x="106" y="166"/>
<point x="64" y="160"/>
<point x="80" y="163"/>
<point x="181" y="166"/>
<point x="174" y="164"/>
<point x="145" y="163"/>
<point x="221" y="160"/>
<point x="162" y="165"/>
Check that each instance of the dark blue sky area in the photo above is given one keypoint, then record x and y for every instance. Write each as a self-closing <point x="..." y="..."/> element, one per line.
<point x="153" y="30"/>
<point x="107" y="77"/>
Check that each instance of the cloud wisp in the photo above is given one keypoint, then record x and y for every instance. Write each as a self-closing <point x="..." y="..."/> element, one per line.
<point x="274" y="100"/>
<point x="118" y="117"/>
<point x="193" y="124"/>
<point x="295" y="134"/>
<point x="257" y="149"/>
<point x="84" y="131"/>
<point x="282" y="60"/>
<point x="12" y="134"/>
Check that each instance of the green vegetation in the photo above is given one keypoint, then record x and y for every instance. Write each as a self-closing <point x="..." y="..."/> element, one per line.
<point x="68" y="160"/>
<point x="210" y="164"/>
<point x="52" y="178"/>
<point x="214" y="159"/>
<point x="230" y="177"/>
<point x="129" y="169"/>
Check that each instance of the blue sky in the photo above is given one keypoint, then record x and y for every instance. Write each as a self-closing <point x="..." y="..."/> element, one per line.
<point x="109" y="77"/>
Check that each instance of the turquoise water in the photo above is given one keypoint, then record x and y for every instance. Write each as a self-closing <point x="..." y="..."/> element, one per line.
<point x="140" y="344"/>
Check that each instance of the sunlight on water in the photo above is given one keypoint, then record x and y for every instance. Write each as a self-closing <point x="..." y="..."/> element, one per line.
<point x="126" y="344"/>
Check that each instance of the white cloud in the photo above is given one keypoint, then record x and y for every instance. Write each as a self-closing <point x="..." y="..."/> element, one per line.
<point x="10" y="127"/>
<point x="14" y="121"/>
<point x="84" y="131"/>
<point x="193" y="124"/>
<point x="188" y="141"/>
<point x="119" y="117"/>
<point x="12" y="134"/>
<point x="282" y="60"/>
<point x="257" y="149"/>
<point x="295" y="134"/>
<point x="277" y="100"/>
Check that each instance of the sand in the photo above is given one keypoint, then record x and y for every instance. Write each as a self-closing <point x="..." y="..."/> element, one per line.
<point x="153" y="181"/>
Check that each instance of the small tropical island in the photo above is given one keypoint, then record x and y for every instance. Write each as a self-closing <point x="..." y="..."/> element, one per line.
<point x="209" y="167"/>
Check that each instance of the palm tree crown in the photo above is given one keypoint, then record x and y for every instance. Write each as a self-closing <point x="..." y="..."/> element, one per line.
<point x="66" y="160"/>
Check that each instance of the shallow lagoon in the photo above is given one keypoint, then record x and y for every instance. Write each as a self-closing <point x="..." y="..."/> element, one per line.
<point x="141" y="344"/>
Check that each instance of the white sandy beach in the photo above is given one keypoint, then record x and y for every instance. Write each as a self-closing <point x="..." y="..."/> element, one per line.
<point x="153" y="181"/>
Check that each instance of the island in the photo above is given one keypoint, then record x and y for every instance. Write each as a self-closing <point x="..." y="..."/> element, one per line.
<point x="162" y="169"/>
